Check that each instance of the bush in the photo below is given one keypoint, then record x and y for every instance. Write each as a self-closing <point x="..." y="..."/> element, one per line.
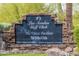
<point x="4" y="26"/>
<point x="76" y="35"/>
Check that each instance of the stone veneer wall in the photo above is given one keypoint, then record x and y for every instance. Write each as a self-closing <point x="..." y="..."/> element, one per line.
<point x="9" y="38"/>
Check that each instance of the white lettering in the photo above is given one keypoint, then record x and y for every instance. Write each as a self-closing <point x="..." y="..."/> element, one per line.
<point x="39" y="37"/>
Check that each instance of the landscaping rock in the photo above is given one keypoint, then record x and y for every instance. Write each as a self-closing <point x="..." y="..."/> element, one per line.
<point x="4" y="52"/>
<point x="2" y="43"/>
<point x="24" y="51"/>
<point x="69" y="49"/>
<point x="37" y="51"/>
<point x="15" y="50"/>
<point x="56" y="52"/>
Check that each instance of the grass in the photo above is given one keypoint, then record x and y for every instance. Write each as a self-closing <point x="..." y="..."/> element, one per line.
<point x="29" y="54"/>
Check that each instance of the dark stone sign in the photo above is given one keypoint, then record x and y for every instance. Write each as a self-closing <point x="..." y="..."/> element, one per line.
<point x="38" y="29"/>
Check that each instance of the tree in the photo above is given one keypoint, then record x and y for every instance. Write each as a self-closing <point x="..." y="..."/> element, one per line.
<point x="61" y="13"/>
<point x="12" y="12"/>
<point x="76" y="24"/>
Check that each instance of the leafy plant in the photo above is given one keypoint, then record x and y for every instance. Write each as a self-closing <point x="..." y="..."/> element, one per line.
<point x="4" y="26"/>
<point x="76" y="35"/>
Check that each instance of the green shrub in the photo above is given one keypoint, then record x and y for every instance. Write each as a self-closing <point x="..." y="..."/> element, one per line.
<point x="76" y="35"/>
<point x="4" y="26"/>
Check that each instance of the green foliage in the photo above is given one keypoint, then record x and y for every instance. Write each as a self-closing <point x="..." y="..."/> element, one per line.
<point x="76" y="18"/>
<point x="76" y="35"/>
<point x="4" y="26"/>
<point x="76" y="23"/>
<point x="61" y="14"/>
<point x="11" y="13"/>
